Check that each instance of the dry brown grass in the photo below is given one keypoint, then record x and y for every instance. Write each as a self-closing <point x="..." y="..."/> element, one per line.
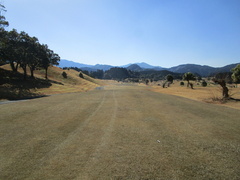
<point x="210" y="94"/>
<point x="121" y="132"/>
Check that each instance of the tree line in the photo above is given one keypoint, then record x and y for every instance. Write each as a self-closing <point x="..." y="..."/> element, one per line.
<point x="22" y="50"/>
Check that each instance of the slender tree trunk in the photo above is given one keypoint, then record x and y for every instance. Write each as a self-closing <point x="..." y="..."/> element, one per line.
<point x="17" y="66"/>
<point x="14" y="69"/>
<point x="25" y="73"/>
<point x="24" y="67"/>
<point x="31" y="70"/>
<point x="46" y="73"/>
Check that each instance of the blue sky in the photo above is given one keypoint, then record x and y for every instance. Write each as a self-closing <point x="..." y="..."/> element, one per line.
<point x="117" y="32"/>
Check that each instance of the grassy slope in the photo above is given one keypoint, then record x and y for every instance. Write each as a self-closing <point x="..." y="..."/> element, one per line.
<point x="16" y="88"/>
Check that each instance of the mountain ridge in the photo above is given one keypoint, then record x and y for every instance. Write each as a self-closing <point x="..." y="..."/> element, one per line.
<point x="202" y="70"/>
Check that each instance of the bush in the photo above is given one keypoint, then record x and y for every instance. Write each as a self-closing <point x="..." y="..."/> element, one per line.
<point x="147" y="81"/>
<point x="64" y="74"/>
<point x="81" y="75"/>
<point x="181" y="83"/>
<point x="204" y="83"/>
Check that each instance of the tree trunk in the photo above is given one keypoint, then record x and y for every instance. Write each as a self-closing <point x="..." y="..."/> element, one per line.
<point x="24" y="67"/>
<point x="31" y="70"/>
<point x="17" y="66"/>
<point x="46" y="73"/>
<point x="191" y="84"/>
<point x="225" y="92"/>
<point x="25" y="73"/>
<point x="14" y="69"/>
<point x="224" y="89"/>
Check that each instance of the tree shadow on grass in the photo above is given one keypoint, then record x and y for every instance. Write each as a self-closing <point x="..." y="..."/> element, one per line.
<point x="234" y="99"/>
<point x="13" y="87"/>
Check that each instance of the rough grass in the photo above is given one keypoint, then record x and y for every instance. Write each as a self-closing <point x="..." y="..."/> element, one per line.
<point x="210" y="94"/>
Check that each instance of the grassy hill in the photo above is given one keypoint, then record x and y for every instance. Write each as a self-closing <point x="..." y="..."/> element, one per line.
<point x="12" y="85"/>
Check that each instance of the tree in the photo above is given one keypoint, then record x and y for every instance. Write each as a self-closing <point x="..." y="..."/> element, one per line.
<point x="81" y="75"/>
<point x="221" y="79"/>
<point x="3" y="22"/>
<point x="188" y="76"/>
<point x="64" y="74"/>
<point x="117" y="73"/>
<point x="3" y="43"/>
<point x="222" y="83"/>
<point x="24" y="52"/>
<point x="48" y="57"/>
<point x="204" y="83"/>
<point x="3" y="33"/>
<point x="226" y="76"/>
<point x="181" y="83"/>
<point x="236" y="74"/>
<point x="169" y="78"/>
<point x="34" y="54"/>
<point x="97" y="74"/>
<point x="9" y="49"/>
<point x="147" y="81"/>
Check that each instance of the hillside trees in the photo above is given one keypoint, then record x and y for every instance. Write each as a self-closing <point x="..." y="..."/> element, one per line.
<point x="97" y="74"/>
<point x="117" y="73"/>
<point x="20" y="49"/>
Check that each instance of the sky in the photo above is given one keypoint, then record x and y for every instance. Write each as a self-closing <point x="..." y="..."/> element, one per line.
<point x="163" y="33"/>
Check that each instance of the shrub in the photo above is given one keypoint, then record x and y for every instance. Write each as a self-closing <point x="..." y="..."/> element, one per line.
<point x="204" y="83"/>
<point x="64" y="74"/>
<point x="147" y="81"/>
<point x="81" y="75"/>
<point x="181" y="83"/>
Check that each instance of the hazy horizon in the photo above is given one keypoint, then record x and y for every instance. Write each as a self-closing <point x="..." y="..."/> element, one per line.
<point x="149" y="64"/>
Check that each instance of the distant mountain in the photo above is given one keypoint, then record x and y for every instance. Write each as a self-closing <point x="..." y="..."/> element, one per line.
<point x="144" y="65"/>
<point x="134" y="67"/>
<point x="201" y="70"/>
<point x="226" y="68"/>
<point x="102" y="67"/>
<point x="183" y="68"/>
<point x="66" y="63"/>
<point x="194" y="68"/>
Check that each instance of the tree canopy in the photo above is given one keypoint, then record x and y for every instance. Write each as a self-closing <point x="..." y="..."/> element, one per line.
<point x="169" y="78"/>
<point x="236" y="74"/>
<point x="3" y="22"/>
